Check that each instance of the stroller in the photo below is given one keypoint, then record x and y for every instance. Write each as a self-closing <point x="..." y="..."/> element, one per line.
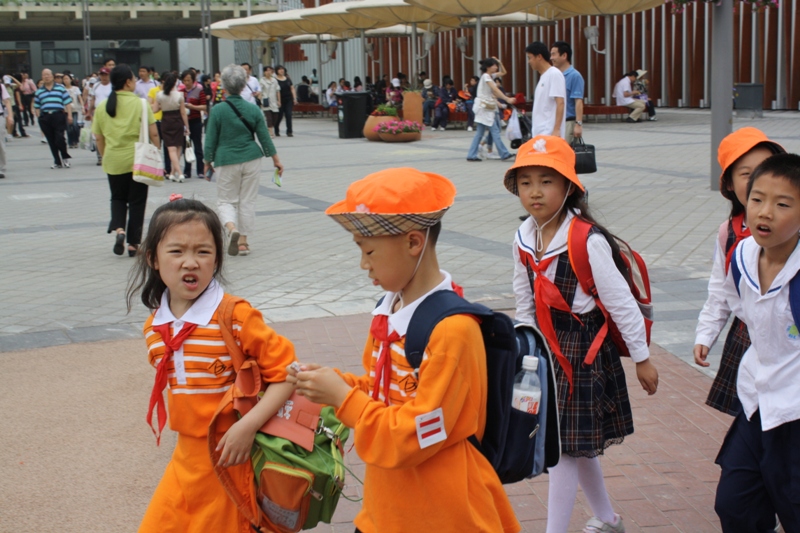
<point x="525" y="128"/>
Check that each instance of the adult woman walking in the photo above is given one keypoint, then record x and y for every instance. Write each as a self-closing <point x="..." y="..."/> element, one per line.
<point x="195" y="101"/>
<point x="485" y="109"/>
<point x="174" y="122"/>
<point x="116" y="125"/>
<point x="288" y="99"/>
<point x="270" y="97"/>
<point x="236" y="156"/>
<point x="74" y="129"/>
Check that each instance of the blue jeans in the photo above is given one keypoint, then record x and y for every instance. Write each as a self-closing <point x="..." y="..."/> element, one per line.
<point x="494" y="131"/>
<point x="427" y="111"/>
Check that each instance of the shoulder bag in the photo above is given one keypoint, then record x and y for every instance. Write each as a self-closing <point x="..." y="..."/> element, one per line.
<point x="148" y="166"/>
<point x="238" y="114"/>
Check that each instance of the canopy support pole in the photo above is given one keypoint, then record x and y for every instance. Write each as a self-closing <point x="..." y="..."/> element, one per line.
<point x="414" y="55"/>
<point x="721" y="82"/>
<point x="607" y="36"/>
<point x="320" y="84"/>
<point x="477" y="51"/>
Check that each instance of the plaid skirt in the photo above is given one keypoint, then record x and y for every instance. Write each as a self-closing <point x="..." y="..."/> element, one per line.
<point x="599" y="412"/>
<point x="723" y="396"/>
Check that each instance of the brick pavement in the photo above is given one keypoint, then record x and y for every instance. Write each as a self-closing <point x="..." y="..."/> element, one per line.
<point x="81" y="445"/>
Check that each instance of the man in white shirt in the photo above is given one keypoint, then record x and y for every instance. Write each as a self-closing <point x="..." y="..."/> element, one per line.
<point x="548" y="116"/>
<point x="624" y="93"/>
<point x="252" y="89"/>
<point x="144" y="83"/>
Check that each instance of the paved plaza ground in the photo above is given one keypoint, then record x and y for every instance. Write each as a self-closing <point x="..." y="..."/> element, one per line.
<point x="76" y="451"/>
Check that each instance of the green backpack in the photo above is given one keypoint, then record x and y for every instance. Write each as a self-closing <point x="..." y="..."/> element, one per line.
<point x="299" y="475"/>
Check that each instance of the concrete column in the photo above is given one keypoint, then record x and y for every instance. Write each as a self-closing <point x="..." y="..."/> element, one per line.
<point x="174" y="59"/>
<point x="721" y="82"/>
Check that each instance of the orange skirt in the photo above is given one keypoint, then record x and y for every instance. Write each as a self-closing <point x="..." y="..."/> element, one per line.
<point x="190" y="498"/>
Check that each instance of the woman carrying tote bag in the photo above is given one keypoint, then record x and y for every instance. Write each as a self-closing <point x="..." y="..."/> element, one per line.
<point x="485" y="109"/>
<point x="116" y="126"/>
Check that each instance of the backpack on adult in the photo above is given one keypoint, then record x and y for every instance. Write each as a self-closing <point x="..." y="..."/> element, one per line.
<point x="297" y="456"/>
<point x="633" y="269"/>
<point x="518" y="445"/>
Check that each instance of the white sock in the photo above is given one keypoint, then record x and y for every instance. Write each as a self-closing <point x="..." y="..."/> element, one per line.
<point x="563" y="490"/>
<point x="590" y="476"/>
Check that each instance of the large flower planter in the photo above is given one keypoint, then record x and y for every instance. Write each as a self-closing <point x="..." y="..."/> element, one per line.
<point x="371" y="123"/>
<point x="400" y="137"/>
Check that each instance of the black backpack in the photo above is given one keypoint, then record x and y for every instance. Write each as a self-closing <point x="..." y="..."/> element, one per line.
<point x="518" y="445"/>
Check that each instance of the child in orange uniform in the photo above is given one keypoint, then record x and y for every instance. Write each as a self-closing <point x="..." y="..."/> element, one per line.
<point x="176" y="276"/>
<point x="739" y="154"/>
<point x="411" y="428"/>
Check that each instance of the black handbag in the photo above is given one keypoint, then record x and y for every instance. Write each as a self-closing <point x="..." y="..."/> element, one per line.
<point x="585" y="162"/>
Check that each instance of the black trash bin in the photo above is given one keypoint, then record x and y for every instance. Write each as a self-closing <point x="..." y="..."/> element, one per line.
<point x="352" y="114"/>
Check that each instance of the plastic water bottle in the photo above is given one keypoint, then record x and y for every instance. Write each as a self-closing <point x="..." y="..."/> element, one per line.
<point x="527" y="388"/>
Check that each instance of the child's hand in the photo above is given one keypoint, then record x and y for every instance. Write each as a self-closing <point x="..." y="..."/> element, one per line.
<point x="700" y="354"/>
<point x="648" y="376"/>
<point x="295" y="368"/>
<point x="236" y="444"/>
<point x="322" y="385"/>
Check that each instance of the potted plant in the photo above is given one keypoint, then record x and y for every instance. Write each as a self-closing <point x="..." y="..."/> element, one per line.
<point x="382" y="113"/>
<point x="399" y="131"/>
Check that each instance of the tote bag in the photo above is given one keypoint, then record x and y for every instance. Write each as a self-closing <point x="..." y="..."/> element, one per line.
<point x="188" y="153"/>
<point x="148" y="167"/>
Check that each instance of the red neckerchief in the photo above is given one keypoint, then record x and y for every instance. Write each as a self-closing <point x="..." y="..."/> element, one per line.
<point x="740" y="232"/>
<point x="546" y="296"/>
<point x="383" y="368"/>
<point x="157" y="396"/>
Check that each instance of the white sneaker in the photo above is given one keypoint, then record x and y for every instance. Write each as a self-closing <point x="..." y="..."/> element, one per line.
<point x="180" y="178"/>
<point x="65" y="162"/>
<point x="492" y="155"/>
<point x="441" y="128"/>
<point x="595" y="525"/>
<point x="652" y="119"/>
<point x="469" y="128"/>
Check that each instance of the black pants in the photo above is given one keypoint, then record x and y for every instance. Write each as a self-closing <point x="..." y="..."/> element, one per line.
<point x="18" y="128"/>
<point x="760" y="477"/>
<point x="285" y="112"/>
<point x="651" y="108"/>
<point x="128" y="200"/>
<point x="196" y="135"/>
<point x="27" y="113"/>
<point x="167" y="162"/>
<point x="54" y="125"/>
<point x="73" y="130"/>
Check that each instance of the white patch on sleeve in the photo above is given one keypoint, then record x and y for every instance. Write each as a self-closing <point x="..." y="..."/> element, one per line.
<point x="430" y="428"/>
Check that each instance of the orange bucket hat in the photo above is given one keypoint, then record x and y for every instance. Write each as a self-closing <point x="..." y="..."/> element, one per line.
<point x="544" y="151"/>
<point x="737" y="144"/>
<point x="393" y="202"/>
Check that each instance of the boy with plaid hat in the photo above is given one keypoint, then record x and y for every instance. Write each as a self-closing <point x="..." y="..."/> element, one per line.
<point x="412" y="426"/>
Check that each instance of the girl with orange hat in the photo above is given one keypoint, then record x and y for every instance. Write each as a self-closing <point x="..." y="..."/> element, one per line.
<point x="593" y="403"/>
<point x="739" y="154"/>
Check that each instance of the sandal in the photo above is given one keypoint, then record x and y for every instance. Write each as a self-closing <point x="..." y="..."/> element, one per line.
<point x="233" y="243"/>
<point x="133" y="249"/>
<point x="244" y="249"/>
<point x="119" y="243"/>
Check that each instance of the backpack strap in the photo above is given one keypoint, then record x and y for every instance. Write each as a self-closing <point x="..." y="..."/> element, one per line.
<point x="577" y="242"/>
<point x="245" y="368"/>
<point x="794" y="298"/>
<point x="736" y="273"/>
<point x="431" y="311"/>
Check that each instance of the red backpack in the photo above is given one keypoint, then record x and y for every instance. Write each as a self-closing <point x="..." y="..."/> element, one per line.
<point x="635" y="273"/>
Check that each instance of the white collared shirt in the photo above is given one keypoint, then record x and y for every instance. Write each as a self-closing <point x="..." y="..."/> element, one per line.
<point x="250" y="87"/>
<point x="623" y="86"/>
<point x="768" y="374"/>
<point x="398" y="321"/>
<point x="200" y="313"/>
<point x="715" y="312"/>
<point x="612" y="288"/>
<point x="143" y="87"/>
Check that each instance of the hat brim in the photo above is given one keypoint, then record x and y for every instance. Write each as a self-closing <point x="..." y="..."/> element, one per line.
<point x="510" y="180"/>
<point x="383" y="225"/>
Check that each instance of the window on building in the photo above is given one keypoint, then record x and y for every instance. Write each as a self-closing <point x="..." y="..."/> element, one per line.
<point x="61" y="57"/>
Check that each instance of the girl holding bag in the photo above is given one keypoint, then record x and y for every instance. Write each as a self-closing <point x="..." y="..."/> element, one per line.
<point x="116" y="126"/>
<point x="485" y="109"/>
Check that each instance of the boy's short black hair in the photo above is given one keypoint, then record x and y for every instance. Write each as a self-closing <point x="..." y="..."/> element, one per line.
<point x="433" y="234"/>
<point x="538" y="48"/>
<point x="786" y="166"/>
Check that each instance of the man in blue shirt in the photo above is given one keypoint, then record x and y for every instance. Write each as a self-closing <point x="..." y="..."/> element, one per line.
<point x="561" y="56"/>
<point x="53" y="105"/>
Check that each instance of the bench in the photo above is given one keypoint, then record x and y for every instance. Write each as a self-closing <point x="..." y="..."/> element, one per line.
<point x="307" y="108"/>
<point x="606" y="110"/>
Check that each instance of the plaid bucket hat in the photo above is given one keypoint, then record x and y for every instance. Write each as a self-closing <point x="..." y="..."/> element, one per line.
<point x="393" y="202"/>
